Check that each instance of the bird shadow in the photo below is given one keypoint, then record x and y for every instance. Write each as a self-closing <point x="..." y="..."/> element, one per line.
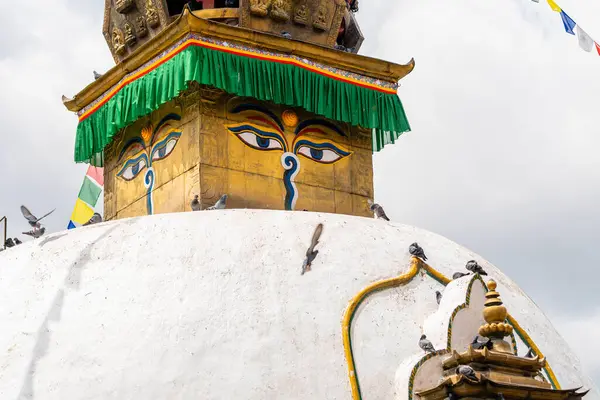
<point x="47" y="240"/>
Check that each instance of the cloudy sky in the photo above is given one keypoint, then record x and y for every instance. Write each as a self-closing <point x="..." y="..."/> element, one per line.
<point x="503" y="156"/>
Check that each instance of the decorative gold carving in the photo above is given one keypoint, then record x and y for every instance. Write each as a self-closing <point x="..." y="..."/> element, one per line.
<point x="260" y="8"/>
<point x="117" y="41"/>
<point x="140" y="26"/>
<point x="122" y="6"/>
<point x="129" y="34"/>
<point x="280" y="10"/>
<point x="495" y="314"/>
<point x="320" y="22"/>
<point x="152" y="15"/>
<point x="301" y="14"/>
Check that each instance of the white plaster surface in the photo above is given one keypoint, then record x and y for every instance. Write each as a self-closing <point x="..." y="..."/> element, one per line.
<point x="212" y="305"/>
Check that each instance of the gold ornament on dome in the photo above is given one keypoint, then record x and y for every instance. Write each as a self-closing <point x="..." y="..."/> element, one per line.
<point x="495" y="315"/>
<point x="140" y="26"/>
<point x="152" y="15"/>
<point x="320" y="22"/>
<point x="289" y="118"/>
<point x="129" y="34"/>
<point x="117" y="41"/>
<point x="122" y="6"/>
<point x="301" y="14"/>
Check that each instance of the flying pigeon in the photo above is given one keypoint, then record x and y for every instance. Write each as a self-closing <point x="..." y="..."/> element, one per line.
<point x="34" y="222"/>
<point x="286" y="35"/>
<point x="17" y="242"/>
<point x="35" y="233"/>
<point x="311" y="253"/>
<point x="477" y="345"/>
<point x="220" y="204"/>
<point x="438" y="296"/>
<point x="475" y="268"/>
<point x="96" y="219"/>
<point x="457" y="275"/>
<point x="529" y="353"/>
<point x="467" y="372"/>
<point x="195" y="204"/>
<point x="97" y="76"/>
<point x="426" y="345"/>
<point x="378" y="210"/>
<point x="417" y="251"/>
<point x="8" y="243"/>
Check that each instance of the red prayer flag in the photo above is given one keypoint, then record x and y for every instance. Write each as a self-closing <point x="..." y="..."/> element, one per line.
<point x="97" y="174"/>
<point x="597" y="48"/>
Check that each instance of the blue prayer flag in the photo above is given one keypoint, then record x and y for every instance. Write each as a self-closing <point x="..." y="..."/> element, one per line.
<point x="567" y="22"/>
<point x="71" y="225"/>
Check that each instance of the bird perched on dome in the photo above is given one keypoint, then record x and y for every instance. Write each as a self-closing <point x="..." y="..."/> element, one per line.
<point x="195" y="204"/>
<point x="8" y="243"/>
<point x="417" y="251"/>
<point x="311" y="253"/>
<point x="467" y="372"/>
<point x="97" y="76"/>
<point x="458" y="275"/>
<point x="477" y="345"/>
<point x="475" y="268"/>
<point x="286" y="35"/>
<point x="438" y="296"/>
<point x="34" y="222"/>
<point x="96" y="219"/>
<point x="36" y="233"/>
<point x="220" y="204"/>
<point x="426" y="345"/>
<point x="17" y="241"/>
<point x="378" y="210"/>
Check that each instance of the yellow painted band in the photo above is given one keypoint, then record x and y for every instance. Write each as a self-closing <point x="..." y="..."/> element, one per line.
<point x="416" y="265"/>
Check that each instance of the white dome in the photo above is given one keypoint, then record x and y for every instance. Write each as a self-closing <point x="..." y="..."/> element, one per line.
<point x="212" y="305"/>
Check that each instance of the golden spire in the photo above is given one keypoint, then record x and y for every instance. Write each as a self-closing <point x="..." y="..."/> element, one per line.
<point x="495" y="314"/>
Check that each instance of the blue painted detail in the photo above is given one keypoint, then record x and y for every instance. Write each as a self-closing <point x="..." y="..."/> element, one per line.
<point x="316" y="154"/>
<point x="131" y="141"/>
<point x="259" y="134"/>
<point x="320" y="146"/>
<point x="167" y="118"/>
<point x="149" y="183"/>
<point x="161" y="146"/>
<point x="291" y="164"/>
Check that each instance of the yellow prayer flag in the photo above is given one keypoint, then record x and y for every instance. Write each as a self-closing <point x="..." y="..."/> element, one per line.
<point x="554" y="6"/>
<point x="82" y="212"/>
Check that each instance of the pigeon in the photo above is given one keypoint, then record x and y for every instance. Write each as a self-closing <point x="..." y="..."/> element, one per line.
<point x="426" y="345"/>
<point x="8" y="243"/>
<point x="457" y="275"/>
<point x="17" y="242"/>
<point x="475" y="268"/>
<point x="97" y="76"/>
<point x="34" y="222"/>
<point x="220" y="204"/>
<point x="195" y="204"/>
<point x="286" y="35"/>
<point x="417" y="251"/>
<point x="340" y="47"/>
<point x="96" y="219"/>
<point x="438" y="296"/>
<point x="349" y="49"/>
<point x="35" y="233"/>
<point x="467" y="372"/>
<point x="311" y="253"/>
<point x="230" y="3"/>
<point x="477" y="345"/>
<point x="378" y="210"/>
<point x="529" y="353"/>
<point x="500" y="396"/>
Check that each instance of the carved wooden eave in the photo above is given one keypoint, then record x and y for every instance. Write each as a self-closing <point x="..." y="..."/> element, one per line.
<point x="190" y="23"/>
<point x="485" y="356"/>
<point x="465" y="388"/>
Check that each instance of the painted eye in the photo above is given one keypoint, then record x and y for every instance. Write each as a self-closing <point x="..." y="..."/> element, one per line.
<point x="325" y="153"/>
<point x="132" y="168"/>
<point x="165" y="147"/>
<point x="259" y="142"/>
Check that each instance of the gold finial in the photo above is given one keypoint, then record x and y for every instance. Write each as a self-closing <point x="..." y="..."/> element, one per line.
<point x="495" y="314"/>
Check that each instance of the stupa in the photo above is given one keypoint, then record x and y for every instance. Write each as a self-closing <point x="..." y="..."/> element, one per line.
<point x="265" y="101"/>
<point x="268" y="102"/>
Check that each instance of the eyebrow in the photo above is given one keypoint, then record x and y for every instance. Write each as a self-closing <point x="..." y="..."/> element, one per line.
<point x="169" y="117"/>
<point x="260" y="109"/>
<point x="309" y="122"/>
<point x="129" y="144"/>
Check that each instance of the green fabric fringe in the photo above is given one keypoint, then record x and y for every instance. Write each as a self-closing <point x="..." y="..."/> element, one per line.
<point x="243" y="76"/>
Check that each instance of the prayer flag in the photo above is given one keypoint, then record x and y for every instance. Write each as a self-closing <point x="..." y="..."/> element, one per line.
<point x="90" y="191"/>
<point x="585" y="41"/>
<point x="554" y="6"/>
<point x="567" y="22"/>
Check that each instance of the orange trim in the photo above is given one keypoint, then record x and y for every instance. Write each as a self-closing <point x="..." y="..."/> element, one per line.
<point x="264" y="57"/>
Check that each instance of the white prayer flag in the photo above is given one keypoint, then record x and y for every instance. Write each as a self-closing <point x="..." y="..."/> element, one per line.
<point x="585" y="41"/>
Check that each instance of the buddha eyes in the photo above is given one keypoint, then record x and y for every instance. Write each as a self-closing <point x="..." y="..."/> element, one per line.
<point x="324" y="153"/>
<point x="257" y="138"/>
<point x="165" y="147"/>
<point x="133" y="167"/>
